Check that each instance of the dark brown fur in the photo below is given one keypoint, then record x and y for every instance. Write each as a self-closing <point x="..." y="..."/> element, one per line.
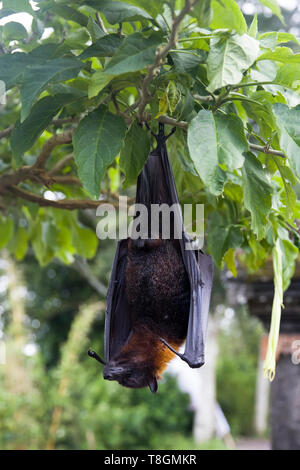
<point x="158" y="292"/>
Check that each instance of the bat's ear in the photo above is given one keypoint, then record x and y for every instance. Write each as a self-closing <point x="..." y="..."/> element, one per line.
<point x="153" y="385"/>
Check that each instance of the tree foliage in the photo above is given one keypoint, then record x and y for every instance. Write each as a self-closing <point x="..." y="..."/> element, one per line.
<point x="81" y="84"/>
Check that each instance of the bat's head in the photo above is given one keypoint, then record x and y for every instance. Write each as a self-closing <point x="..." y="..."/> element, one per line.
<point x="130" y="374"/>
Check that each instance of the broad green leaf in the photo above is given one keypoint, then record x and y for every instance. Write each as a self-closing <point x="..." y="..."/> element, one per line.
<point x="20" y="243"/>
<point x="6" y="230"/>
<point x="288" y="124"/>
<point x="281" y="54"/>
<point x="84" y="240"/>
<point x="134" y="153"/>
<point x="135" y="53"/>
<point x="222" y="237"/>
<point x="117" y="12"/>
<point x="153" y="8"/>
<point x="188" y="61"/>
<point x="214" y="140"/>
<point x="103" y="47"/>
<point x="18" y="6"/>
<point x="271" y="39"/>
<point x="290" y="252"/>
<point x="70" y="14"/>
<point x="257" y="194"/>
<point x="97" y="141"/>
<point x="94" y="29"/>
<point x="203" y="12"/>
<point x="98" y="81"/>
<point x="288" y="181"/>
<point x="37" y="77"/>
<point x="289" y="75"/>
<point x="14" y="31"/>
<point x="274" y="7"/>
<point x="12" y="67"/>
<point x="26" y="133"/>
<point x="262" y="114"/>
<point x="228" y="58"/>
<point x="227" y="14"/>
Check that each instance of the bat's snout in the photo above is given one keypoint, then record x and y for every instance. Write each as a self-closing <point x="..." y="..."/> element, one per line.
<point x="112" y="373"/>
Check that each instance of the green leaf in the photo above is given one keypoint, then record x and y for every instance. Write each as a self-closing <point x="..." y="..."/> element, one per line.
<point x="117" y="12"/>
<point x="274" y="7"/>
<point x="270" y="361"/>
<point x="188" y="61"/>
<point x="281" y="54"/>
<point x="289" y="75"/>
<point x="37" y="77"/>
<point x="26" y="133"/>
<point x="134" y="153"/>
<point x="14" y="31"/>
<point x="228" y="58"/>
<point x="223" y="237"/>
<point x="214" y="140"/>
<point x="290" y="197"/>
<point x="257" y="193"/>
<point x="252" y="31"/>
<point x="84" y="240"/>
<point x="227" y="14"/>
<point x="18" y="6"/>
<point x="94" y="29"/>
<point x="271" y="39"/>
<point x="153" y="8"/>
<point x="290" y="254"/>
<point x="203" y="12"/>
<point x="70" y="14"/>
<point x="97" y="141"/>
<point x="135" y="53"/>
<point x="103" y="47"/>
<point x="98" y="81"/>
<point x="20" y="243"/>
<point x="6" y="230"/>
<point x="288" y="124"/>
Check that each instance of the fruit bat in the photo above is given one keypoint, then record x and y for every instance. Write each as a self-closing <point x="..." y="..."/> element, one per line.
<point x="159" y="292"/>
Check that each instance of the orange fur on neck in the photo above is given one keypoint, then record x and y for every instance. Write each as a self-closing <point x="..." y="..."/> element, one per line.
<point x="149" y="349"/>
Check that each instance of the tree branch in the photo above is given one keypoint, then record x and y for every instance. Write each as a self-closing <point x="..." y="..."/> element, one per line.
<point x="61" y="164"/>
<point x="56" y="139"/>
<point x="68" y="204"/>
<point x="160" y="55"/>
<point x="6" y="132"/>
<point x="267" y="150"/>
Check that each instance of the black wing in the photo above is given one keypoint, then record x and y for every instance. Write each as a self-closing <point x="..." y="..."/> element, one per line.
<point x="117" y="322"/>
<point x="199" y="268"/>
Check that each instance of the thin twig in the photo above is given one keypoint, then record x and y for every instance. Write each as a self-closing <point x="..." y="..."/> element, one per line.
<point x="266" y="149"/>
<point x="61" y="164"/>
<point x="161" y="53"/>
<point x="6" y="132"/>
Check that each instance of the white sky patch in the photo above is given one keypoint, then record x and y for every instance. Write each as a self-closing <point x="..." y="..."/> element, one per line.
<point x="24" y="18"/>
<point x="288" y="4"/>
